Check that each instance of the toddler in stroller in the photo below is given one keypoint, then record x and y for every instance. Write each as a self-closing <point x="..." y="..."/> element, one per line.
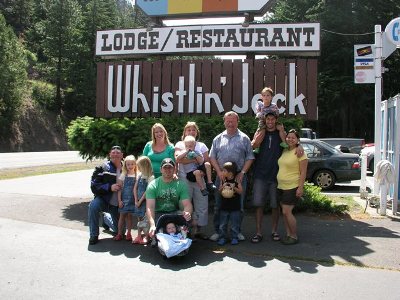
<point x="171" y="235"/>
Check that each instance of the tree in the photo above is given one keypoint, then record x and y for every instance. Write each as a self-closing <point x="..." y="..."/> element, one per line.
<point x="62" y="31"/>
<point x="344" y="105"/>
<point x="18" y="14"/>
<point x="13" y="77"/>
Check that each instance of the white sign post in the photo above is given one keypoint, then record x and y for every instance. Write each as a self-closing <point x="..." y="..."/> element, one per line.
<point x="384" y="42"/>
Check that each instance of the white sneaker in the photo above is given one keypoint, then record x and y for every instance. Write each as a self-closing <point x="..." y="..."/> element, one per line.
<point x="241" y="237"/>
<point x="214" y="237"/>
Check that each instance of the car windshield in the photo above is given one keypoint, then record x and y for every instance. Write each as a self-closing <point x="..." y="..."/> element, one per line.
<point x="318" y="148"/>
<point x="330" y="147"/>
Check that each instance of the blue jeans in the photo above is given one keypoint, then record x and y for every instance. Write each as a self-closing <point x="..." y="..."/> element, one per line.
<point x="96" y="206"/>
<point x="235" y="217"/>
<point x="217" y="204"/>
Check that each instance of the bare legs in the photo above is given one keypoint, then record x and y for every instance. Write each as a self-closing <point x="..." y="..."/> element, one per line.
<point x="260" y="216"/>
<point x="289" y="220"/>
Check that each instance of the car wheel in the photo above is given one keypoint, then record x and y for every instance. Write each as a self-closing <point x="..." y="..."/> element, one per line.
<point x="371" y="166"/>
<point x="324" y="179"/>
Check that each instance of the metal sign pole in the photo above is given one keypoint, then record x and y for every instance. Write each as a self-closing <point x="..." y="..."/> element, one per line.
<point x="378" y="98"/>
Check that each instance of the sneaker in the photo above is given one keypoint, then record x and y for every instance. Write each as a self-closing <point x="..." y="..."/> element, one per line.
<point x="241" y="237"/>
<point x="221" y="242"/>
<point x="106" y="227"/>
<point x="204" y="192"/>
<point x="211" y="187"/>
<point x="214" y="237"/>
<point x="93" y="240"/>
<point x="289" y="241"/>
<point x="234" y="242"/>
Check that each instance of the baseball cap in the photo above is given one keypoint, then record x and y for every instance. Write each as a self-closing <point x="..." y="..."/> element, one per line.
<point x="116" y="147"/>
<point x="167" y="162"/>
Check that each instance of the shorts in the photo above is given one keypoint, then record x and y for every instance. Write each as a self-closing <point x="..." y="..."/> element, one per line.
<point x="263" y="191"/>
<point x="288" y="197"/>
<point x="190" y="176"/>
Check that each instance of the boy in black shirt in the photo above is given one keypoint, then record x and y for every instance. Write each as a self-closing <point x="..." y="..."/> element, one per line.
<point x="230" y="204"/>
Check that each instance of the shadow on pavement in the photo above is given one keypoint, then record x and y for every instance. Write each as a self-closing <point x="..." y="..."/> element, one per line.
<point x="77" y="212"/>
<point x="322" y="242"/>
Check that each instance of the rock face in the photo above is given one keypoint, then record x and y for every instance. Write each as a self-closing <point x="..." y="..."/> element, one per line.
<point x="35" y="130"/>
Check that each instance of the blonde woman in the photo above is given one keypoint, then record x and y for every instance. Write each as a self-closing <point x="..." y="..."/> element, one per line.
<point x="158" y="148"/>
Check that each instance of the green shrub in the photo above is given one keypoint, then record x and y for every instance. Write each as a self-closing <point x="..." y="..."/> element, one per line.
<point x="93" y="137"/>
<point x="313" y="200"/>
<point x="43" y="93"/>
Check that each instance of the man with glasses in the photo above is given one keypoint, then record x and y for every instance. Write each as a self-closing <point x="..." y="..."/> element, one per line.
<point x="166" y="194"/>
<point x="105" y="189"/>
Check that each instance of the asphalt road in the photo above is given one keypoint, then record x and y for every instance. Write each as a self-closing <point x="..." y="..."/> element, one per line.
<point x="30" y="159"/>
<point x="45" y="254"/>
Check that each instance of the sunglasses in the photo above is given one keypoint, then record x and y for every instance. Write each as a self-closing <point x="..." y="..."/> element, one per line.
<point x="116" y="148"/>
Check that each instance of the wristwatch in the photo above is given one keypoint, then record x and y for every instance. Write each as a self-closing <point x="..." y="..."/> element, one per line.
<point x="243" y="172"/>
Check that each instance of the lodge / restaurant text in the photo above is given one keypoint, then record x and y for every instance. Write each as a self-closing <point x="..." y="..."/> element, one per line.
<point x="264" y="38"/>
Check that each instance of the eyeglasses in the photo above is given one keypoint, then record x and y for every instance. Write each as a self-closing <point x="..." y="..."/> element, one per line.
<point x="116" y="148"/>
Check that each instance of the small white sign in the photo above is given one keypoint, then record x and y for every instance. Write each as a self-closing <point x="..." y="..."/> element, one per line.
<point x="364" y="64"/>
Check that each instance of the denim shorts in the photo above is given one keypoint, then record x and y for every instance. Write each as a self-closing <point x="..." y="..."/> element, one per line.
<point x="264" y="192"/>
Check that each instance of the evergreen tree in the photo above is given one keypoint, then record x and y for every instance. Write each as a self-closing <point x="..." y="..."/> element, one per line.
<point x="18" y="14"/>
<point x="13" y="76"/>
<point x="343" y="105"/>
<point x="62" y="32"/>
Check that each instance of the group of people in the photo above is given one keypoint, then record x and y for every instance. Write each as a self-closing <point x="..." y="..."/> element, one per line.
<point x="169" y="179"/>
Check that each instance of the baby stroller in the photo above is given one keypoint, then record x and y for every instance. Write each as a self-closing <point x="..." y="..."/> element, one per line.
<point x="169" y="245"/>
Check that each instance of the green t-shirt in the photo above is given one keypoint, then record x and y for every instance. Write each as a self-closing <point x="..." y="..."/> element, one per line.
<point x="168" y="195"/>
<point x="157" y="157"/>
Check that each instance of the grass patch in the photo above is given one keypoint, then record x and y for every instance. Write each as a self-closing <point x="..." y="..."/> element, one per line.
<point x="48" y="169"/>
<point x="354" y="209"/>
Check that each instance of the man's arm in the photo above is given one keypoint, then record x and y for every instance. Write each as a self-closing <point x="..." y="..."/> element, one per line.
<point x="258" y="138"/>
<point x="187" y="209"/>
<point x="217" y="169"/>
<point x="150" y="211"/>
<point x="245" y="169"/>
<point x="96" y="184"/>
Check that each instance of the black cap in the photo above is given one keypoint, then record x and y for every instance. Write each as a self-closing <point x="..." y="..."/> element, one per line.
<point x="167" y="162"/>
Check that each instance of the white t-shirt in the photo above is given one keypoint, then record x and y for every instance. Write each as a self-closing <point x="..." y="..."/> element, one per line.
<point x="180" y="146"/>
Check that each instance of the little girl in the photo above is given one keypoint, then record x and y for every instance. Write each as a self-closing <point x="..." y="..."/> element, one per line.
<point x="144" y="176"/>
<point x="265" y="107"/>
<point x="126" y="205"/>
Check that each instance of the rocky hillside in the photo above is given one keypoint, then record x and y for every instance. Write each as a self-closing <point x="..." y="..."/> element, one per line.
<point x="35" y="130"/>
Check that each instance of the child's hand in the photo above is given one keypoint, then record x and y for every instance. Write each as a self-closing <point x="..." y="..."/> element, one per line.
<point x="280" y="127"/>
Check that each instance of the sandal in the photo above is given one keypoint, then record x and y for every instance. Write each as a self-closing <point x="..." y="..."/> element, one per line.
<point x="118" y="237"/>
<point x="275" y="236"/>
<point x="257" y="238"/>
<point x="137" y="240"/>
<point x="128" y="237"/>
<point x="144" y="241"/>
